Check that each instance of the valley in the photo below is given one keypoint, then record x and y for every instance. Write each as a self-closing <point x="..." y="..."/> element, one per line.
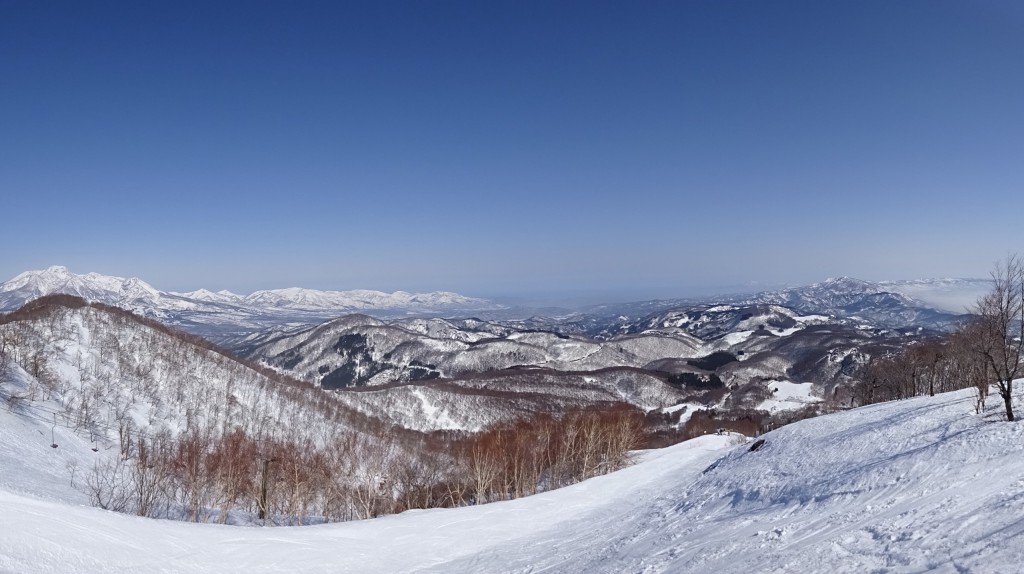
<point x="511" y="287"/>
<point x="452" y="370"/>
<point x="308" y="422"/>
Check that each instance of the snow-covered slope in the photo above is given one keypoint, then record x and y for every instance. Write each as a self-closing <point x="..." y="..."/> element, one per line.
<point x="91" y="286"/>
<point x="473" y="403"/>
<point x="910" y="486"/>
<point x="104" y="368"/>
<point x="212" y="314"/>
<point x="765" y="343"/>
<point x="359" y="350"/>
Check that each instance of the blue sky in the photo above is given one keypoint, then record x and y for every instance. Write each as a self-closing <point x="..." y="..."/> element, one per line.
<point x="534" y="149"/>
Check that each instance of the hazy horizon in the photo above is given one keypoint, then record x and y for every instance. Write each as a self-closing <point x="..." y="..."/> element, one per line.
<point x="573" y="299"/>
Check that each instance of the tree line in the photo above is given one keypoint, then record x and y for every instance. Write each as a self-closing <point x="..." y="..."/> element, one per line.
<point x="983" y="351"/>
<point x="204" y="477"/>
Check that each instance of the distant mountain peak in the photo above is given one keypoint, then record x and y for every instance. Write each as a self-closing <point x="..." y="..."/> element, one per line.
<point x="224" y="308"/>
<point x="846" y="281"/>
<point x="223" y="296"/>
<point x="857" y="299"/>
<point x="91" y="286"/>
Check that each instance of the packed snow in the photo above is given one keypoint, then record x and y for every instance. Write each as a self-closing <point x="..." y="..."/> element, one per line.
<point x="908" y="486"/>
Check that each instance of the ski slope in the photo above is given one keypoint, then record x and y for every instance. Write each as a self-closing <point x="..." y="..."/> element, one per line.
<point x="909" y="486"/>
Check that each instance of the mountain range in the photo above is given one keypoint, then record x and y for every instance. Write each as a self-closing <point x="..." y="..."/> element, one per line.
<point x="214" y="314"/>
<point x="929" y="304"/>
<point x="223" y="315"/>
<point x="733" y="351"/>
<point x="87" y="389"/>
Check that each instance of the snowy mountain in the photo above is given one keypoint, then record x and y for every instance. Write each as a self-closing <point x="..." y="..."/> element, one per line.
<point x="931" y="304"/>
<point x="433" y="374"/>
<point x="820" y="334"/>
<point x="906" y="486"/>
<point x="359" y="350"/>
<point x="223" y="313"/>
<point x="91" y="286"/>
<point x="100" y="363"/>
<point x="223" y="296"/>
<point x="873" y="303"/>
<point x="224" y="316"/>
<point x="103" y="367"/>
<point x="890" y="305"/>
<point x="771" y="342"/>
<point x="854" y="490"/>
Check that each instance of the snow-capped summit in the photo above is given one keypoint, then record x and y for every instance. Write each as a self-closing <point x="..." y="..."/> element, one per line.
<point x="223" y="296"/>
<point x="846" y="284"/>
<point x="208" y="313"/>
<point x="310" y="299"/>
<point x="848" y="297"/>
<point x="92" y="286"/>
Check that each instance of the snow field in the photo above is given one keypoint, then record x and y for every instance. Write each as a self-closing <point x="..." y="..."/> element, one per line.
<point x="52" y="537"/>
<point x="788" y="395"/>
<point x="908" y="486"/>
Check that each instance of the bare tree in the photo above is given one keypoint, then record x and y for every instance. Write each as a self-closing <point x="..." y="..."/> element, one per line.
<point x="109" y="485"/>
<point x="192" y="470"/>
<point x="486" y="466"/>
<point x="150" y="475"/>
<point x="999" y="327"/>
<point x="6" y="350"/>
<point x="967" y="367"/>
<point x="929" y="360"/>
<point x="233" y="460"/>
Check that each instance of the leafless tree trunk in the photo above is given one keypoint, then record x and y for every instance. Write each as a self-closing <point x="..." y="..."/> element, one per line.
<point x="967" y="367"/>
<point x="150" y="476"/>
<point x="236" y="457"/>
<point x="999" y="327"/>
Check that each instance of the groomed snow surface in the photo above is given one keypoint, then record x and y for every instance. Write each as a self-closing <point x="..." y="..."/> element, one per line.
<point x="909" y="486"/>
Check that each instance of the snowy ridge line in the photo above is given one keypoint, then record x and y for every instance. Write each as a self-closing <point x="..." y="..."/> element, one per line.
<point x="41" y="305"/>
<point x="205" y="306"/>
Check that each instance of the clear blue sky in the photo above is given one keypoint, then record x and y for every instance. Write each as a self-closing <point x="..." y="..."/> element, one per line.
<point x="627" y="150"/>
